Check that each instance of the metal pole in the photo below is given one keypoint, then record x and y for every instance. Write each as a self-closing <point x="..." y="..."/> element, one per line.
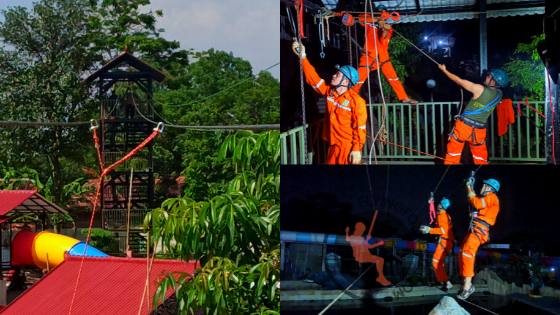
<point x="483" y="37"/>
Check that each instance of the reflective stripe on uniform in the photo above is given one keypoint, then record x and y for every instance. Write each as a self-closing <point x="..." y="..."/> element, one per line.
<point x="436" y="260"/>
<point x="362" y="127"/>
<point x="330" y="99"/>
<point x="478" y="158"/>
<point x="454" y="154"/>
<point x="483" y="203"/>
<point x="467" y="255"/>
<point x="319" y="84"/>
<point x="442" y="230"/>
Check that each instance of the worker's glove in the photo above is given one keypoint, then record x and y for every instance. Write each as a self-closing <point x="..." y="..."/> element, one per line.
<point x="355" y="157"/>
<point x="299" y="49"/>
<point x="424" y="229"/>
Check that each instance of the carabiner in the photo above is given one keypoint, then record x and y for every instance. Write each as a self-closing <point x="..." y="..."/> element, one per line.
<point x="93" y="124"/>
<point x="159" y="127"/>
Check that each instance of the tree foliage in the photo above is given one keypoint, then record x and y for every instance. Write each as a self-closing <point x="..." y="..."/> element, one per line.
<point x="45" y="53"/>
<point x="235" y="235"/>
<point x="525" y="70"/>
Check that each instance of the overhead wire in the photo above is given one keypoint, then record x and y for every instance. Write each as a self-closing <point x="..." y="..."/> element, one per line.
<point x="222" y="90"/>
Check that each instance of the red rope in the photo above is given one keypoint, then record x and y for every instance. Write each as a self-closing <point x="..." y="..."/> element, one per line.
<point x="532" y="108"/>
<point x="98" y="149"/>
<point x="104" y="173"/>
<point x="299" y="8"/>
<point x="411" y="149"/>
<point x="432" y="211"/>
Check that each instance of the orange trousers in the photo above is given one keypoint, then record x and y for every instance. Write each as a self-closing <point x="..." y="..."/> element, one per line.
<point x="468" y="251"/>
<point x="438" y="261"/>
<point x="389" y="72"/>
<point x="461" y="133"/>
<point x="339" y="154"/>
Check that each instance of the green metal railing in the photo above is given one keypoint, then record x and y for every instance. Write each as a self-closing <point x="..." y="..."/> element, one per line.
<point x="417" y="133"/>
<point x="293" y="150"/>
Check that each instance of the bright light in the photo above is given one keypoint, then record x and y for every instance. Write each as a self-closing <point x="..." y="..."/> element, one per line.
<point x="552" y="269"/>
<point x="440" y="42"/>
<point x="425" y="37"/>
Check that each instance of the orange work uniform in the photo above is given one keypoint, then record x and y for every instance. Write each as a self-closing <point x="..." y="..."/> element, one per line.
<point x="484" y="215"/>
<point x="444" y="245"/>
<point x="470" y="127"/>
<point x="345" y="128"/>
<point x="375" y="42"/>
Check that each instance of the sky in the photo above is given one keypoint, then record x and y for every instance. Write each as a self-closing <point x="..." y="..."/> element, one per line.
<point x="248" y="28"/>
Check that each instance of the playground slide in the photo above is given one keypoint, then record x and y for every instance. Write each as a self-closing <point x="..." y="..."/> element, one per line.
<point x="47" y="249"/>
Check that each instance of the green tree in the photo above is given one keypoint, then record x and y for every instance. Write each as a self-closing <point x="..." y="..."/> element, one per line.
<point x="216" y="89"/>
<point x="44" y="54"/>
<point x="234" y="235"/>
<point x="526" y="71"/>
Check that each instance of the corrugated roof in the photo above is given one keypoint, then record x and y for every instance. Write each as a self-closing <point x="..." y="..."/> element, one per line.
<point x="470" y="15"/>
<point x="25" y="201"/>
<point x="111" y="285"/>
<point x="446" y="10"/>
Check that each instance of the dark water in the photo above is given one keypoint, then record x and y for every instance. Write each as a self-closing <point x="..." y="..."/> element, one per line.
<point x="498" y="304"/>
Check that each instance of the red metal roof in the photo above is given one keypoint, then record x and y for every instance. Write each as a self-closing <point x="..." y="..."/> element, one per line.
<point x="9" y="199"/>
<point x="25" y="201"/>
<point x="111" y="285"/>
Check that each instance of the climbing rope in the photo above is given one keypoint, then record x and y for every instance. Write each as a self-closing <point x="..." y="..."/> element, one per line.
<point x="301" y="80"/>
<point x="384" y="111"/>
<point x="480" y="307"/>
<point x="411" y="149"/>
<point x="104" y="172"/>
<point x="441" y="179"/>
<point x="344" y="291"/>
<point x="418" y="48"/>
<point x="432" y="194"/>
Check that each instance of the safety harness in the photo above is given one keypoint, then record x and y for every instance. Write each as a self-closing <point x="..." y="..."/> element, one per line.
<point x="474" y="125"/>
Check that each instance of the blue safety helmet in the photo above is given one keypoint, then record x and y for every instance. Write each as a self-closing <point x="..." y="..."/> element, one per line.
<point x="350" y="73"/>
<point x="500" y="76"/>
<point x="445" y="203"/>
<point x="492" y="183"/>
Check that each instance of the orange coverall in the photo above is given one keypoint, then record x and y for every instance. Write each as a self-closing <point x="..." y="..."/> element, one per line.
<point x="345" y="129"/>
<point x="484" y="216"/>
<point x="368" y="60"/>
<point x="444" y="246"/>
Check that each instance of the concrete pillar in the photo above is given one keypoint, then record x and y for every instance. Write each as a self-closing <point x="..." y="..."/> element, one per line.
<point x="3" y="293"/>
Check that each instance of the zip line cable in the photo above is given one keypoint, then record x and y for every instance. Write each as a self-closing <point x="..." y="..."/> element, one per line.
<point x="207" y="128"/>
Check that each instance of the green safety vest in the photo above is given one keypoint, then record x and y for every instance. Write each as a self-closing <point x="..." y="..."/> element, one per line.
<point x="481" y="108"/>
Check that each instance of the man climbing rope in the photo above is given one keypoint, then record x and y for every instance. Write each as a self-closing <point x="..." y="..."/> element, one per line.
<point x="470" y="126"/>
<point x="377" y="45"/>
<point x="346" y="110"/>
<point x="360" y="249"/>
<point x="483" y="215"/>
<point x="444" y="245"/>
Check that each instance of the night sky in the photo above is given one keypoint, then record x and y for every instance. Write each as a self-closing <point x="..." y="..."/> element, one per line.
<point x="326" y="199"/>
